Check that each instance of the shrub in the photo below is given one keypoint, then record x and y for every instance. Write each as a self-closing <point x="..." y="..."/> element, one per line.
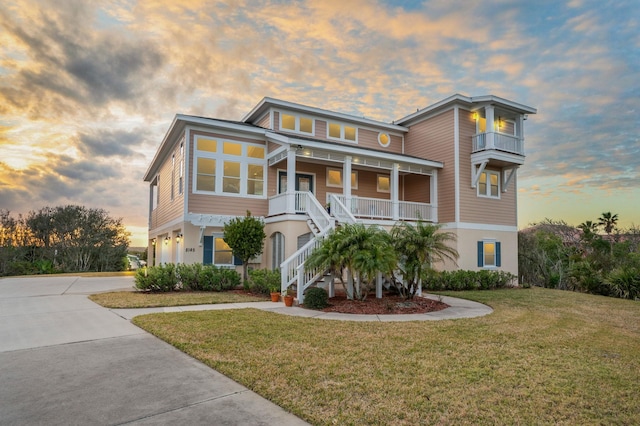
<point x="264" y="281"/>
<point x="469" y="280"/>
<point x="160" y="278"/>
<point x="189" y="276"/>
<point x="625" y="283"/>
<point x="316" y="298"/>
<point x="213" y="278"/>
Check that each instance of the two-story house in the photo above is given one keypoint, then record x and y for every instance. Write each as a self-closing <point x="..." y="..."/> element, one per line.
<point x="305" y="170"/>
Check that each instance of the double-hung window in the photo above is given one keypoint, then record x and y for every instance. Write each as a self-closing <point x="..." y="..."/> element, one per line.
<point x="229" y="167"/>
<point x="489" y="184"/>
<point x="334" y="178"/>
<point x="489" y="254"/>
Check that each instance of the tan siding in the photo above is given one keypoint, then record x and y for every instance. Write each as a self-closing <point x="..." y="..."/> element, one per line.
<point x="265" y="121"/>
<point x="368" y="185"/>
<point x="321" y="129"/>
<point x="434" y="139"/>
<point x="396" y="144"/>
<point x="416" y="188"/>
<point x="168" y="209"/>
<point x="474" y="209"/>
<point x="276" y="121"/>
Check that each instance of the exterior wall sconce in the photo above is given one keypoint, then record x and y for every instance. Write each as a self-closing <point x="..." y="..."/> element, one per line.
<point x="153" y="242"/>
<point x="178" y="237"/>
<point x="166" y="240"/>
<point x="475" y="116"/>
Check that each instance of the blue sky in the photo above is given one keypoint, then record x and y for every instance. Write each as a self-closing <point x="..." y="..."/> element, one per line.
<point x="87" y="89"/>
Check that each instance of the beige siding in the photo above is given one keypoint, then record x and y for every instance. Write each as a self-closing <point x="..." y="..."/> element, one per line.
<point x="321" y="129"/>
<point x="474" y="209"/>
<point x="368" y="185"/>
<point x="434" y="139"/>
<point x="276" y="121"/>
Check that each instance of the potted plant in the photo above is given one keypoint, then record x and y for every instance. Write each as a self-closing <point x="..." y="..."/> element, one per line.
<point x="287" y="296"/>
<point x="274" y="288"/>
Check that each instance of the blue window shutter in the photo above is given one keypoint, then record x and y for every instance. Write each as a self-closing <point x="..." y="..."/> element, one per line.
<point x="497" y="253"/>
<point x="237" y="261"/>
<point x="480" y="254"/>
<point x="207" y="257"/>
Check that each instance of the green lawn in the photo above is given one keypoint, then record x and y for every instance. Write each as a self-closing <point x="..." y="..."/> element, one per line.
<point x="542" y="357"/>
<point x="130" y="299"/>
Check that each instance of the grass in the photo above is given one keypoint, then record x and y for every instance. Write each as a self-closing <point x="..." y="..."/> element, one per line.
<point x="130" y="299"/>
<point x="542" y="357"/>
<point x="78" y="274"/>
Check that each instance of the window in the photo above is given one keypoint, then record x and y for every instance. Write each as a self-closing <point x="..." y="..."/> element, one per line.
<point x="296" y="123"/>
<point x="216" y="251"/>
<point x="489" y="254"/>
<point x="334" y="178"/>
<point x="206" y="174"/>
<point x="342" y="132"/>
<point x="173" y="176"/>
<point x="489" y="184"/>
<point x="384" y="139"/>
<point x="242" y="167"/>
<point x="181" y="171"/>
<point x="277" y="246"/>
<point x="384" y="183"/>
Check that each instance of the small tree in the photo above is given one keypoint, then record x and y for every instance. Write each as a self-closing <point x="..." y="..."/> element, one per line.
<point x="246" y="237"/>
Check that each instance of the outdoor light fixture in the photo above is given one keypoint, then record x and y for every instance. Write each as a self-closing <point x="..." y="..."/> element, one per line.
<point x="475" y="116"/>
<point x="166" y="240"/>
<point x="153" y="242"/>
<point x="178" y="237"/>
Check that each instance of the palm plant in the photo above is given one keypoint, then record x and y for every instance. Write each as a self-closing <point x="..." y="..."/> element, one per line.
<point x="608" y="222"/>
<point x="418" y="247"/>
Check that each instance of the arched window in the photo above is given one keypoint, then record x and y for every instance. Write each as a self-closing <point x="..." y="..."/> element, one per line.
<point x="277" y="250"/>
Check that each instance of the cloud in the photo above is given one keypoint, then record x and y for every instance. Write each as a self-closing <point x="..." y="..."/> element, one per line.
<point x="108" y="143"/>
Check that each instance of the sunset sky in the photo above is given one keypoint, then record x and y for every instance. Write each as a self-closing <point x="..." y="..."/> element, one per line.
<point x="88" y="88"/>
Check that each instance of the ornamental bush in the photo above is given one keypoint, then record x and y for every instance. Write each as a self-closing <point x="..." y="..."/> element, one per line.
<point x="264" y="281"/>
<point x="316" y="298"/>
<point x="469" y="280"/>
<point x="195" y="277"/>
<point x="160" y="278"/>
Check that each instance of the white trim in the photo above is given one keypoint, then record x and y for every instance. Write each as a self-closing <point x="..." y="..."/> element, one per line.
<point x="165" y="228"/>
<point x="486" y="241"/>
<point x="380" y="134"/>
<point x="456" y="163"/>
<point x="479" y="227"/>
<point x="342" y="137"/>
<point x="296" y="117"/>
<point x="475" y="174"/>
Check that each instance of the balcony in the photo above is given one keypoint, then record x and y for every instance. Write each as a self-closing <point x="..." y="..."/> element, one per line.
<point x="502" y="142"/>
<point x="361" y="208"/>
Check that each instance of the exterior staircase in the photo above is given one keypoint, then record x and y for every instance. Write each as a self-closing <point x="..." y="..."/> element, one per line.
<point x="292" y="270"/>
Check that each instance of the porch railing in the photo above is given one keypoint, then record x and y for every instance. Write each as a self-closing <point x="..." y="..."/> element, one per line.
<point x="501" y="141"/>
<point x="376" y="208"/>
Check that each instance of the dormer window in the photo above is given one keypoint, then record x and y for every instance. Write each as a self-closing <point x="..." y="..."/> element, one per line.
<point x="296" y="123"/>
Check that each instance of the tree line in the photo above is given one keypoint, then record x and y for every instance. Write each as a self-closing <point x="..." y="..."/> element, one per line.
<point x="68" y="238"/>
<point x="594" y="257"/>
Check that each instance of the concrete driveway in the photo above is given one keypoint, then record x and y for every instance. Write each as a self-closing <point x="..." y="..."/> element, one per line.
<point x="66" y="360"/>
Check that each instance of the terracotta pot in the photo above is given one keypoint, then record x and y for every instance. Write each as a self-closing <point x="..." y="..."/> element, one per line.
<point x="275" y="297"/>
<point x="288" y="300"/>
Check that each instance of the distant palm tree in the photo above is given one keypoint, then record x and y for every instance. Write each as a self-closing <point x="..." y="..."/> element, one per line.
<point x="608" y="222"/>
<point x="589" y="229"/>
<point x="418" y="247"/>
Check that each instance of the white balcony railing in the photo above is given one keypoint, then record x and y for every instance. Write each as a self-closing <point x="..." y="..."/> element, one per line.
<point x="379" y="209"/>
<point x="500" y="141"/>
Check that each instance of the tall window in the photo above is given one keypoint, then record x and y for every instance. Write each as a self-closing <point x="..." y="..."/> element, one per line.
<point x="489" y="184"/>
<point x="277" y="250"/>
<point x="229" y="167"/>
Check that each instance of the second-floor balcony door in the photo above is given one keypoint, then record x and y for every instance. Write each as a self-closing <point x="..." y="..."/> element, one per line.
<point x="304" y="183"/>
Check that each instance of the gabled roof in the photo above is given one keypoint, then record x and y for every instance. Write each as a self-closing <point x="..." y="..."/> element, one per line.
<point x="180" y="121"/>
<point x="266" y="103"/>
<point x="470" y="102"/>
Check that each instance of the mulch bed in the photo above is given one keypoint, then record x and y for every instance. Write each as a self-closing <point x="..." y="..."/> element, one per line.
<point x="389" y="304"/>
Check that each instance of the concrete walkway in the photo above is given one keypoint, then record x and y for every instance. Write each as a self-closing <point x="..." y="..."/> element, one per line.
<point x="65" y="360"/>
<point x="458" y="308"/>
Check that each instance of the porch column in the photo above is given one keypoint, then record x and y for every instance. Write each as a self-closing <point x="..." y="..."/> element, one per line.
<point x="291" y="180"/>
<point x="520" y="134"/>
<point x="346" y="182"/>
<point x="395" y="191"/>
<point x="488" y="112"/>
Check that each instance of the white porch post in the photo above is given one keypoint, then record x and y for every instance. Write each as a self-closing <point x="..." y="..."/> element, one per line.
<point x="520" y="134"/>
<point x="346" y="181"/>
<point x="291" y="180"/>
<point x="488" y="111"/>
<point x="433" y="189"/>
<point x="395" y="190"/>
